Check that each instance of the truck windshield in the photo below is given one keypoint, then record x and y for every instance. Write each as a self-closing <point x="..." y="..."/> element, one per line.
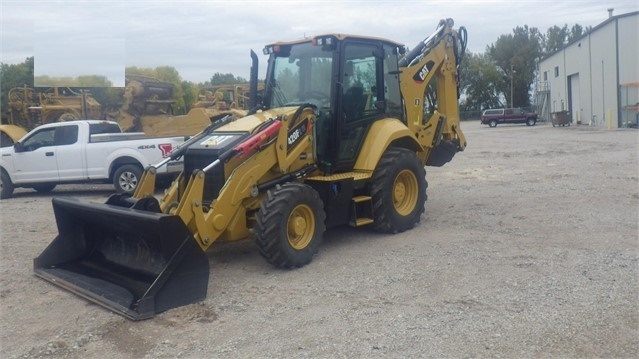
<point x="301" y="74"/>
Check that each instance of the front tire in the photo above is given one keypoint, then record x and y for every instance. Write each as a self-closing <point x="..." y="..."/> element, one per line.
<point x="290" y="225"/>
<point x="398" y="188"/>
<point x="531" y="122"/>
<point x="126" y="178"/>
<point x="6" y="186"/>
<point x="492" y="123"/>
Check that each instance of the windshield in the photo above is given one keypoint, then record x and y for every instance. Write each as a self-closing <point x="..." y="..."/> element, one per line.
<point x="301" y="74"/>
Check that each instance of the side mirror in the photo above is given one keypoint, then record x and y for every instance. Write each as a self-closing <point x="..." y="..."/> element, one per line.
<point x="18" y="147"/>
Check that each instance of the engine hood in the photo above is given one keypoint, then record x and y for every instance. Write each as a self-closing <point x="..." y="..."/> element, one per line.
<point x="249" y="123"/>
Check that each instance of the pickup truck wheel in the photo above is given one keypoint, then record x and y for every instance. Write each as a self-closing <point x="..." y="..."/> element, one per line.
<point x="44" y="188"/>
<point x="398" y="188"/>
<point x="531" y="122"/>
<point x="290" y="225"/>
<point x="126" y="178"/>
<point x="492" y="123"/>
<point x="6" y="186"/>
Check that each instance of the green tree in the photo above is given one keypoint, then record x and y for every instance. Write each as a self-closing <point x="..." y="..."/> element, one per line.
<point x="516" y="56"/>
<point x="226" y="79"/>
<point x="576" y="31"/>
<point x="190" y="91"/>
<point x="94" y="81"/>
<point x="555" y="39"/>
<point x="480" y="82"/>
<point x="15" y="75"/>
<point x="170" y="74"/>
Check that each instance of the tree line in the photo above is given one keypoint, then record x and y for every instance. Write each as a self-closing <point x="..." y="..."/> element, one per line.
<point x="185" y="93"/>
<point x="509" y="66"/>
<point x="486" y="78"/>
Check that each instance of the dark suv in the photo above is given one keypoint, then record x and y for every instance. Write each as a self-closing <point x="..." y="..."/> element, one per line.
<point x="493" y="117"/>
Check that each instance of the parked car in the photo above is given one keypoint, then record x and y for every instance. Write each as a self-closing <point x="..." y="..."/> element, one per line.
<point x="493" y="117"/>
<point x="81" y="152"/>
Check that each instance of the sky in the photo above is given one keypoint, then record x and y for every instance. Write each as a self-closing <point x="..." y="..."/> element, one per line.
<point x="200" y="38"/>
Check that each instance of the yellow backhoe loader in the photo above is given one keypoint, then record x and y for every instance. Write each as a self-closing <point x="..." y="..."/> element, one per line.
<point x="341" y="137"/>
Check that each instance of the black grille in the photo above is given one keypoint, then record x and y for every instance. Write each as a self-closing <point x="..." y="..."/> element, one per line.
<point x="213" y="180"/>
<point x="202" y="154"/>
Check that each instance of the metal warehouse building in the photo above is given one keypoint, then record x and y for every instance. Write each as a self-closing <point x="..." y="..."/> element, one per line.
<point x="595" y="78"/>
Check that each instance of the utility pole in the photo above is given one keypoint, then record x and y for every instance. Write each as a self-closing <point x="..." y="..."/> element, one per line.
<point x="512" y="76"/>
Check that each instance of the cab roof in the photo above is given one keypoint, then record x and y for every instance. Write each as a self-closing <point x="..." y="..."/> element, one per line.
<point x="340" y="37"/>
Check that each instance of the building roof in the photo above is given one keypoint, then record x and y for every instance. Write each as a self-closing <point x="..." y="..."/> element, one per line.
<point x="597" y="27"/>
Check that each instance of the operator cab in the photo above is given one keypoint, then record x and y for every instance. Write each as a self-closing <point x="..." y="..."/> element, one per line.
<point x="352" y="80"/>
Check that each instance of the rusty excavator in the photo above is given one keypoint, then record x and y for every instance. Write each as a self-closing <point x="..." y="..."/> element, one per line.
<point x="341" y="137"/>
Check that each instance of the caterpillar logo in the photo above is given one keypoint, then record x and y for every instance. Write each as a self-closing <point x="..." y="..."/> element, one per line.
<point x="423" y="72"/>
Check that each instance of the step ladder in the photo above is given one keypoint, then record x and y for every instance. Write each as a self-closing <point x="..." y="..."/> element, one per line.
<point x="361" y="211"/>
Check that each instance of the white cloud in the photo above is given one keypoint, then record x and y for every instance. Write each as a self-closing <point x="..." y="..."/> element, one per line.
<point x="200" y="38"/>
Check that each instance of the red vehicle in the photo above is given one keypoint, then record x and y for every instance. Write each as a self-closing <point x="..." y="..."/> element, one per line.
<point x="492" y="117"/>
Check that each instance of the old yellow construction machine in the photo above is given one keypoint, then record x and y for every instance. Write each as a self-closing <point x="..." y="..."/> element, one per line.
<point x="148" y="107"/>
<point x="226" y="97"/>
<point x="341" y="137"/>
<point x="29" y="108"/>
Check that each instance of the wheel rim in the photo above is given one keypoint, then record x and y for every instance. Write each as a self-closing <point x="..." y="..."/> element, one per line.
<point x="300" y="227"/>
<point x="128" y="181"/>
<point x="405" y="192"/>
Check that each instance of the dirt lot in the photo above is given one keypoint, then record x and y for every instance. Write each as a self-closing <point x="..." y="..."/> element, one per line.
<point x="528" y="248"/>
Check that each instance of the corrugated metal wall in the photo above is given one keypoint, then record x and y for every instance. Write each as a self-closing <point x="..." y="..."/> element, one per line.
<point x="584" y="77"/>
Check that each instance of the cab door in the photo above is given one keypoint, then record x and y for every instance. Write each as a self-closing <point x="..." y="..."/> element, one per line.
<point x="508" y="116"/>
<point x="359" y="90"/>
<point x="35" y="158"/>
<point x="69" y="154"/>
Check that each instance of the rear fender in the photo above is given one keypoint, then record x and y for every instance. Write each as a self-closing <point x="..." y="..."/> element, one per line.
<point x="383" y="134"/>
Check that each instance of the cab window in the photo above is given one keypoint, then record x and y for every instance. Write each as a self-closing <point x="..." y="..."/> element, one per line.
<point x="358" y="81"/>
<point x="42" y="138"/>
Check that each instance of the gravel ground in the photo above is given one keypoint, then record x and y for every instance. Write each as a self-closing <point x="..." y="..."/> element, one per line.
<point x="528" y="248"/>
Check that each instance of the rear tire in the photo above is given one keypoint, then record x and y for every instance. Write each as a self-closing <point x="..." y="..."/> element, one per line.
<point x="398" y="188"/>
<point x="6" y="186"/>
<point x="290" y="225"/>
<point x="126" y="178"/>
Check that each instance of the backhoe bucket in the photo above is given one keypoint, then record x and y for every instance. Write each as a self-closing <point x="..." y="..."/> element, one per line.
<point x="136" y="263"/>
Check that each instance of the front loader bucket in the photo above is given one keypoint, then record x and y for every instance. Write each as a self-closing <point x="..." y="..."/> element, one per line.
<point x="136" y="263"/>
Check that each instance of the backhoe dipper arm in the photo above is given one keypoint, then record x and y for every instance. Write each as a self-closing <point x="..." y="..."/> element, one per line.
<point x="435" y="59"/>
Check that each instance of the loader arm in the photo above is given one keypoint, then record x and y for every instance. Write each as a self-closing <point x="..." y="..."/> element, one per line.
<point x="287" y="150"/>
<point x="435" y="67"/>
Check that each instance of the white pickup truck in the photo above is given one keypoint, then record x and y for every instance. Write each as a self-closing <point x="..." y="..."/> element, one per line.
<point x="80" y="152"/>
